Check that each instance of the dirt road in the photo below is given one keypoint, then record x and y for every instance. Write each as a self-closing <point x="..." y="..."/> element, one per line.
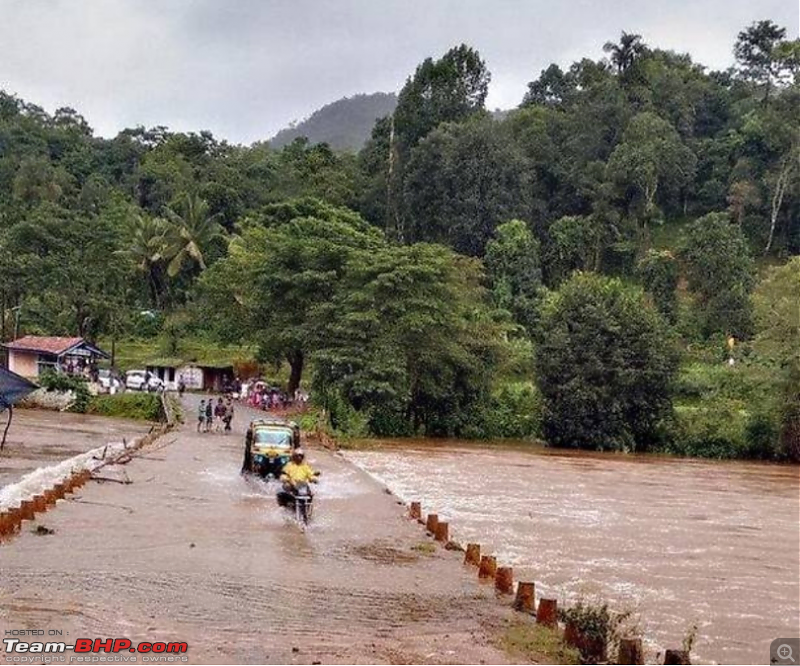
<point x="190" y="551"/>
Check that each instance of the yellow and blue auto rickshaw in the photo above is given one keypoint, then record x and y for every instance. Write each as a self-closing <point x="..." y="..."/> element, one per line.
<point x="268" y="446"/>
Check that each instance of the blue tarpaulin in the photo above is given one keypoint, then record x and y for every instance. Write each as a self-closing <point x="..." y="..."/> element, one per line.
<point x="13" y="387"/>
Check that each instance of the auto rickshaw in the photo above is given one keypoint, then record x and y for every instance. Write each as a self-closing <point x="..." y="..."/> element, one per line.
<point x="268" y="446"/>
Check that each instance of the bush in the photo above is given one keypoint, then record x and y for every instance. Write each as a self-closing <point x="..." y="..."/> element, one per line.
<point x="514" y="412"/>
<point x="658" y="271"/>
<point x="57" y="381"/>
<point x="597" y="629"/>
<point x="709" y="432"/>
<point x="140" y="406"/>
<point x="605" y="365"/>
<point x="721" y="274"/>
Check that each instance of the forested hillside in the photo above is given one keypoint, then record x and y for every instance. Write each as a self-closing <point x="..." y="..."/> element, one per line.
<point x="344" y="124"/>
<point x="612" y="265"/>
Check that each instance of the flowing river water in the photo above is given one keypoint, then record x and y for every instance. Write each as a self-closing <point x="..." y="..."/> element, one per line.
<point x="680" y="542"/>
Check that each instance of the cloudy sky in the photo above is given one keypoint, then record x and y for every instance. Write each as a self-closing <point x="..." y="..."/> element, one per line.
<point x="246" y="68"/>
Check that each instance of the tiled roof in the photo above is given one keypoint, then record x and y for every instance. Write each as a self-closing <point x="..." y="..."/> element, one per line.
<point x="46" y="345"/>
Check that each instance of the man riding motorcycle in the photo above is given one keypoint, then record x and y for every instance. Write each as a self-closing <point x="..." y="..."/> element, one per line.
<point x="296" y="471"/>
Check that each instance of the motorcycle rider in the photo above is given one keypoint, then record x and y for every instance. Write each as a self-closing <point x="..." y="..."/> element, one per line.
<point x="296" y="471"/>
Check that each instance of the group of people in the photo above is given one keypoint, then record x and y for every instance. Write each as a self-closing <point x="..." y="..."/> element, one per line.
<point x="215" y="416"/>
<point x="261" y="396"/>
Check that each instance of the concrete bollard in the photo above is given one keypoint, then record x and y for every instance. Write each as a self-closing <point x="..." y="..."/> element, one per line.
<point x="677" y="657"/>
<point x="49" y="497"/>
<point x="630" y="651"/>
<point x="488" y="567"/>
<point x="6" y="525"/>
<point x="58" y="489"/>
<point x="432" y="522"/>
<point x="442" y="532"/>
<point x="415" y="510"/>
<point x="504" y="580"/>
<point x="15" y="518"/>
<point x="473" y="554"/>
<point x="547" y="613"/>
<point x="39" y="504"/>
<point x="26" y="509"/>
<point x="525" y="601"/>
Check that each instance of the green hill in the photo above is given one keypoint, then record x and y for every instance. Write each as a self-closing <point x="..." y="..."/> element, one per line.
<point x="344" y="124"/>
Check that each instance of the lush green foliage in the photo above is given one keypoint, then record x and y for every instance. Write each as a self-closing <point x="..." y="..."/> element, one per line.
<point x="322" y="264"/>
<point x="658" y="271"/>
<point x="53" y="381"/>
<point x="605" y="365"/>
<point x="721" y="275"/>
<point x="141" y="406"/>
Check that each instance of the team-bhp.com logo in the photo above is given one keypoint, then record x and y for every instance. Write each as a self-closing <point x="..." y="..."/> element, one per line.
<point x="88" y="645"/>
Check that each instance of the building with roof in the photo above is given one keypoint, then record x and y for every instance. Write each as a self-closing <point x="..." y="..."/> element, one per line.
<point x="31" y="355"/>
<point x="195" y="375"/>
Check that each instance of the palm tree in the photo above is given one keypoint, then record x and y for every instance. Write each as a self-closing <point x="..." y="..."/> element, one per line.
<point x="190" y="232"/>
<point x="624" y="54"/>
<point x="146" y="250"/>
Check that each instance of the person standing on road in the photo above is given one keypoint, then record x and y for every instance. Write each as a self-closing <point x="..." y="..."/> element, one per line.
<point x="209" y="414"/>
<point x="228" y="414"/>
<point x="219" y="414"/>
<point x="201" y="415"/>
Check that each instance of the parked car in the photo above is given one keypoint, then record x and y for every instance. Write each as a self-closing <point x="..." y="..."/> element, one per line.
<point x="142" y="380"/>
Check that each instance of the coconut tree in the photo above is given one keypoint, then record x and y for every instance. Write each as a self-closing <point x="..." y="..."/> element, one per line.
<point x="146" y="250"/>
<point x="190" y="230"/>
<point x="624" y="54"/>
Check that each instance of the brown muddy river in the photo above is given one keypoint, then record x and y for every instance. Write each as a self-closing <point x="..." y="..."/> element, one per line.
<point x="680" y="542"/>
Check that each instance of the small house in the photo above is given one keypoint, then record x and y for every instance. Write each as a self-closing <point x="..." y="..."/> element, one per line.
<point x="195" y="376"/>
<point x="32" y="355"/>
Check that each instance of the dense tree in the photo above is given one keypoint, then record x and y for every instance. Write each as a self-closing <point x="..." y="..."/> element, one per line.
<point x="461" y="182"/>
<point x="267" y="288"/>
<point x="757" y="55"/>
<point x="407" y="340"/>
<point x="446" y="90"/>
<point x="604" y="364"/>
<point x="658" y="271"/>
<point x="650" y="156"/>
<point x="514" y="271"/>
<point x="721" y="274"/>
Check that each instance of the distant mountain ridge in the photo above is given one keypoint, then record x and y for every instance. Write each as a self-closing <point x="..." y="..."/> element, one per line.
<point x="345" y="124"/>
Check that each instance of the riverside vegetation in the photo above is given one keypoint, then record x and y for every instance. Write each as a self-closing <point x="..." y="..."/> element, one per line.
<point x="571" y="271"/>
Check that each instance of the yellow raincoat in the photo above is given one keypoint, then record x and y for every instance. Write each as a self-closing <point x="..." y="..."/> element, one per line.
<point x="295" y="473"/>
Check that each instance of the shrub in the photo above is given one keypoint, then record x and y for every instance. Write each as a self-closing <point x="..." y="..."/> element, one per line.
<point x="716" y="431"/>
<point x="658" y="271"/>
<point x="514" y="411"/>
<point x="605" y="366"/>
<point x="721" y="274"/>
<point x="596" y="630"/>
<point x="140" y="406"/>
<point x="57" y="381"/>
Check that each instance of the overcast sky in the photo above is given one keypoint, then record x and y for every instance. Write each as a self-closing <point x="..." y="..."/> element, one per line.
<point x="246" y="68"/>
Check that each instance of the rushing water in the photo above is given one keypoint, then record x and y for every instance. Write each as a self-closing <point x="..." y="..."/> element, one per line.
<point x="680" y="542"/>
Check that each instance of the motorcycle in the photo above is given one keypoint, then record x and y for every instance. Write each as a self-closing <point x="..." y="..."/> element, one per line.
<point x="298" y="499"/>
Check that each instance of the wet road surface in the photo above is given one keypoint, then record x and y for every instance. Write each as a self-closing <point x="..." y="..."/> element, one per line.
<point x="190" y="551"/>
<point x="677" y="541"/>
